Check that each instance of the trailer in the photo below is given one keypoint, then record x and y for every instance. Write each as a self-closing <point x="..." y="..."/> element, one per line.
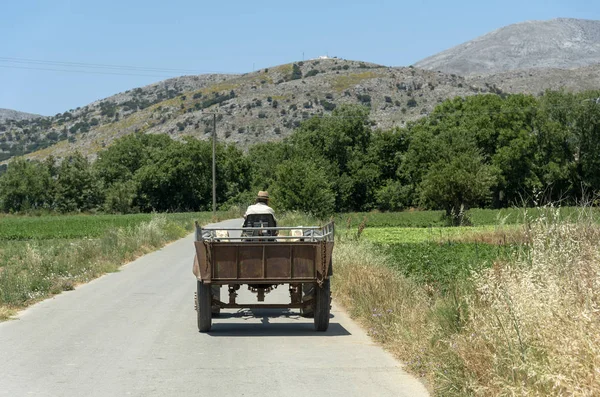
<point x="263" y="258"/>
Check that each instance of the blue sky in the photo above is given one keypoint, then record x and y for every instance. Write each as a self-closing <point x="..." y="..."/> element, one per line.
<point x="228" y="36"/>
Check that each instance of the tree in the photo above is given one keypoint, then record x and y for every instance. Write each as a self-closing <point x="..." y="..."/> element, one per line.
<point x="303" y="186"/>
<point x="457" y="183"/>
<point x="339" y="141"/>
<point x="120" y="161"/>
<point x="120" y="197"/>
<point x="25" y="185"/>
<point x="77" y="186"/>
<point x="178" y="178"/>
<point x="391" y="196"/>
<point x="296" y="72"/>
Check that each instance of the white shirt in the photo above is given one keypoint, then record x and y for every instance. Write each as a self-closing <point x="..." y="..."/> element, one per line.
<point x="260" y="208"/>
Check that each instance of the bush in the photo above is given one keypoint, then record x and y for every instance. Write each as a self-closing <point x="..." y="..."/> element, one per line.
<point x="328" y="106"/>
<point x="364" y="98"/>
<point x="296" y="72"/>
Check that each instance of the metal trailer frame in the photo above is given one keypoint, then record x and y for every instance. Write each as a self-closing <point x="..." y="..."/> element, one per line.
<point x="263" y="263"/>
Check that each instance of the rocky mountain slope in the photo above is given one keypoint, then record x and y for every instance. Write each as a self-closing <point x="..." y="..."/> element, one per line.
<point x="267" y="104"/>
<point x="8" y="114"/>
<point x="559" y="43"/>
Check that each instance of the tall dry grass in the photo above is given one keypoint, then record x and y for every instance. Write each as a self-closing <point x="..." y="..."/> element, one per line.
<point x="394" y="309"/>
<point x="534" y="323"/>
<point x="528" y="326"/>
<point x="33" y="270"/>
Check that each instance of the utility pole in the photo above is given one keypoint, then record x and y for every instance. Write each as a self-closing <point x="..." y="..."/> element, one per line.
<point x="214" y="165"/>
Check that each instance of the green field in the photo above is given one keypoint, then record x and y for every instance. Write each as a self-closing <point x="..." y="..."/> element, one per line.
<point x="441" y="256"/>
<point x="44" y="255"/>
<point x="476" y="217"/>
<point x="79" y="226"/>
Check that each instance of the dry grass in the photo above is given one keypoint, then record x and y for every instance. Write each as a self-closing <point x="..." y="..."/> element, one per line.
<point x="393" y="309"/>
<point x="534" y="324"/>
<point x="526" y="327"/>
<point x="34" y="271"/>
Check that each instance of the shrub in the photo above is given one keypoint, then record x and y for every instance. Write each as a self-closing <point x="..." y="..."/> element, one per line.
<point x="328" y="105"/>
<point x="296" y="72"/>
<point x="364" y="98"/>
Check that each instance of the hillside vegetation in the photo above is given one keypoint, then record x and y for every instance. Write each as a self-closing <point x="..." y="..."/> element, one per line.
<point x="266" y="105"/>
<point x="482" y="151"/>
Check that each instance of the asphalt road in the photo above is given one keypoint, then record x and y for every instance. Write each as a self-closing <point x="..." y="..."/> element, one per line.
<point x="134" y="333"/>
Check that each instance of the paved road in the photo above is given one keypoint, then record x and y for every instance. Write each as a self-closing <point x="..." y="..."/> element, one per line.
<point x="134" y="333"/>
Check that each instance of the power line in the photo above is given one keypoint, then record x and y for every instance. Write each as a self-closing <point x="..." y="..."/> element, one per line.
<point x="104" y="66"/>
<point x="87" y="71"/>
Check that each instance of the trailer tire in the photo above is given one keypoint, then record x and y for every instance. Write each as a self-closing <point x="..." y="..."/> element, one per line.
<point x="322" y="306"/>
<point x="308" y="292"/>
<point x="216" y="293"/>
<point x="204" y="307"/>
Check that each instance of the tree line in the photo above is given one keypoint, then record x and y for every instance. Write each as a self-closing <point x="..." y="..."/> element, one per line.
<point x="480" y="151"/>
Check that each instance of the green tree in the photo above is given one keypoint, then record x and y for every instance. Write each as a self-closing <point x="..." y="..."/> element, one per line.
<point x="120" y="161"/>
<point x="457" y="183"/>
<point x="25" y="185"/>
<point x="341" y="142"/>
<point x="296" y="72"/>
<point x="303" y="186"/>
<point x="178" y="178"/>
<point x="77" y="186"/>
<point x="120" y="197"/>
<point x="391" y="196"/>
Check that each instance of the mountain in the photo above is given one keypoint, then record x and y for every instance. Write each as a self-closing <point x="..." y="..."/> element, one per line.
<point x="7" y="114"/>
<point x="267" y="104"/>
<point x="255" y="107"/>
<point x="559" y="43"/>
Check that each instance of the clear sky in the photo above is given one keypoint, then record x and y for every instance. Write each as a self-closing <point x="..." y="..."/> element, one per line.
<point x="194" y="36"/>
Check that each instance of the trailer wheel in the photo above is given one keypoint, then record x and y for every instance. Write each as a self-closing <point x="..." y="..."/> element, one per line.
<point x="216" y="294"/>
<point x="308" y="292"/>
<point x="204" y="307"/>
<point x="322" y="306"/>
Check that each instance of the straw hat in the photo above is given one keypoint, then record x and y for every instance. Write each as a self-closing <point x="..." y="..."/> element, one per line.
<point x="263" y="195"/>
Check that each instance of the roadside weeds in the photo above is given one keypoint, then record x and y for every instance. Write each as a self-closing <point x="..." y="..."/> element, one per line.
<point x="35" y="270"/>
<point x="527" y="325"/>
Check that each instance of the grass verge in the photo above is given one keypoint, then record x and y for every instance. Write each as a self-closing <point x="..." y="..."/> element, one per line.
<point x="526" y="323"/>
<point x="36" y="269"/>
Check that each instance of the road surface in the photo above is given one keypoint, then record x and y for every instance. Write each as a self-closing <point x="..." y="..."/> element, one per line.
<point x="134" y="333"/>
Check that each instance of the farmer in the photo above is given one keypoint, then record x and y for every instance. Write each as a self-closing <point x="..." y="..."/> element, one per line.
<point x="261" y="207"/>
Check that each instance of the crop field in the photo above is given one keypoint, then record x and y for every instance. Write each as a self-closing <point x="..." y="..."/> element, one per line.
<point x="476" y="217"/>
<point x="77" y="226"/>
<point x="441" y="256"/>
<point x="482" y="309"/>
<point x="44" y="255"/>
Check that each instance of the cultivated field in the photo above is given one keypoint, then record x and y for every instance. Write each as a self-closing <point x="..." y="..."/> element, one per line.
<point x="507" y="307"/>
<point x="44" y="255"/>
